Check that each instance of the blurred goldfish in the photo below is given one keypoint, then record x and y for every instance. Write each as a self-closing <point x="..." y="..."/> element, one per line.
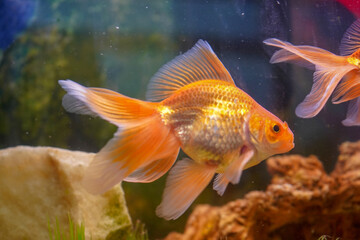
<point x="221" y="128"/>
<point x="333" y="74"/>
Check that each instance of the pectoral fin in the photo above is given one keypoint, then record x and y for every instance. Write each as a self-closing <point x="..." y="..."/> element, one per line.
<point x="233" y="171"/>
<point x="186" y="180"/>
<point x="220" y="183"/>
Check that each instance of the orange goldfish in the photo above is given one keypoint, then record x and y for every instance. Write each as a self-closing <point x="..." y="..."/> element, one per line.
<point x="193" y="104"/>
<point x="333" y="74"/>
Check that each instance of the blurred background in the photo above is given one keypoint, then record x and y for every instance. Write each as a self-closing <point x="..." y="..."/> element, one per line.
<point x="120" y="44"/>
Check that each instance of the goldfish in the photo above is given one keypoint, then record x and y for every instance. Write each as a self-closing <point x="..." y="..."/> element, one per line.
<point x="334" y="74"/>
<point x="192" y="104"/>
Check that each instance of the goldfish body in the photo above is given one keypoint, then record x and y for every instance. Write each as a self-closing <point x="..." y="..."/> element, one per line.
<point x="335" y="74"/>
<point x="193" y="105"/>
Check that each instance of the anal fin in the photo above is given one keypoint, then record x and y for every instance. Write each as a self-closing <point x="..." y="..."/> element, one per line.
<point x="186" y="180"/>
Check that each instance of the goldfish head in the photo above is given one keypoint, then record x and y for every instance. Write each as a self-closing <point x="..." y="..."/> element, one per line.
<point x="270" y="135"/>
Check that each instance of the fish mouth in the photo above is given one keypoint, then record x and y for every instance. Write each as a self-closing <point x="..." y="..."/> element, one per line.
<point x="290" y="143"/>
<point x="287" y="146"/>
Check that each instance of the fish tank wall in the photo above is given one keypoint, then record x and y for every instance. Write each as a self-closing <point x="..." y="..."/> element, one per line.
<point x="120" y="44"/>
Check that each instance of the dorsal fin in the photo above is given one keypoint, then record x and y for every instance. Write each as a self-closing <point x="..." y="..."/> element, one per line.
<point x="351" y="39"/>
<point x="199" y="63"/>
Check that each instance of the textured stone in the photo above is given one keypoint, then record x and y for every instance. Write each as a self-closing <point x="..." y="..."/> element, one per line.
<point x="42" y="184"/>
<point x="302" y="202"/>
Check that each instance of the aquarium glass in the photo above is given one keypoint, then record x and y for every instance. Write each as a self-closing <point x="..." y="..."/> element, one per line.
<point x="121" y="44"/>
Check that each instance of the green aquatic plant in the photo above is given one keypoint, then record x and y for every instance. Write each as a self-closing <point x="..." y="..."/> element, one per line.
<point x="327" y="237"/>
<point x="76" y="231"/>
<point x="139" y="232"/>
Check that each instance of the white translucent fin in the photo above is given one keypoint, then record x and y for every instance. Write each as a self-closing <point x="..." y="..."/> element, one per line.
<point x="153" y="170"/>
<point x="350" y="42"/>
<point x="129" y="150"/>
<point x="314" y="55"/>
<point x="185" y="182"/>
<point x="220" y="183"/>
<point x="233" y="171"/>
<point x="353" y="113"/>
<point x="142" y="137"/>
<point x="75" y="99"/>
<point x="199" y="63"/>
<point x="111" y="106"/>
<point x="348" y="88"/>
<point x="325" y="82"/>
<point x="286" y="56"/>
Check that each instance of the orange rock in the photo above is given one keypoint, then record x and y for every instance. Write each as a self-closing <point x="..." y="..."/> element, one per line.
<point x="302" y="202"/>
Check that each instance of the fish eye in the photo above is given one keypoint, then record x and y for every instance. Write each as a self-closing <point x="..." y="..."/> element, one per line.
<point x="276" y="128"/>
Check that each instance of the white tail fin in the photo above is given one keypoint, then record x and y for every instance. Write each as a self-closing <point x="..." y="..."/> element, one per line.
<point x="348" y="88"/>
<point x="302" y="54"/>
<point x="325" y="82"/>
<point x="353" y="114"/>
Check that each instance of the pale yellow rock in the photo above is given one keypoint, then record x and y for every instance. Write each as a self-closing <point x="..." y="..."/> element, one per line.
<point x="40" y="184"/>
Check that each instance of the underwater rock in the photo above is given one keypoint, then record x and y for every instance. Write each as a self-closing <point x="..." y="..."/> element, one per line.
<point x="302" y="202"/>
<point x="41" y="185"/>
